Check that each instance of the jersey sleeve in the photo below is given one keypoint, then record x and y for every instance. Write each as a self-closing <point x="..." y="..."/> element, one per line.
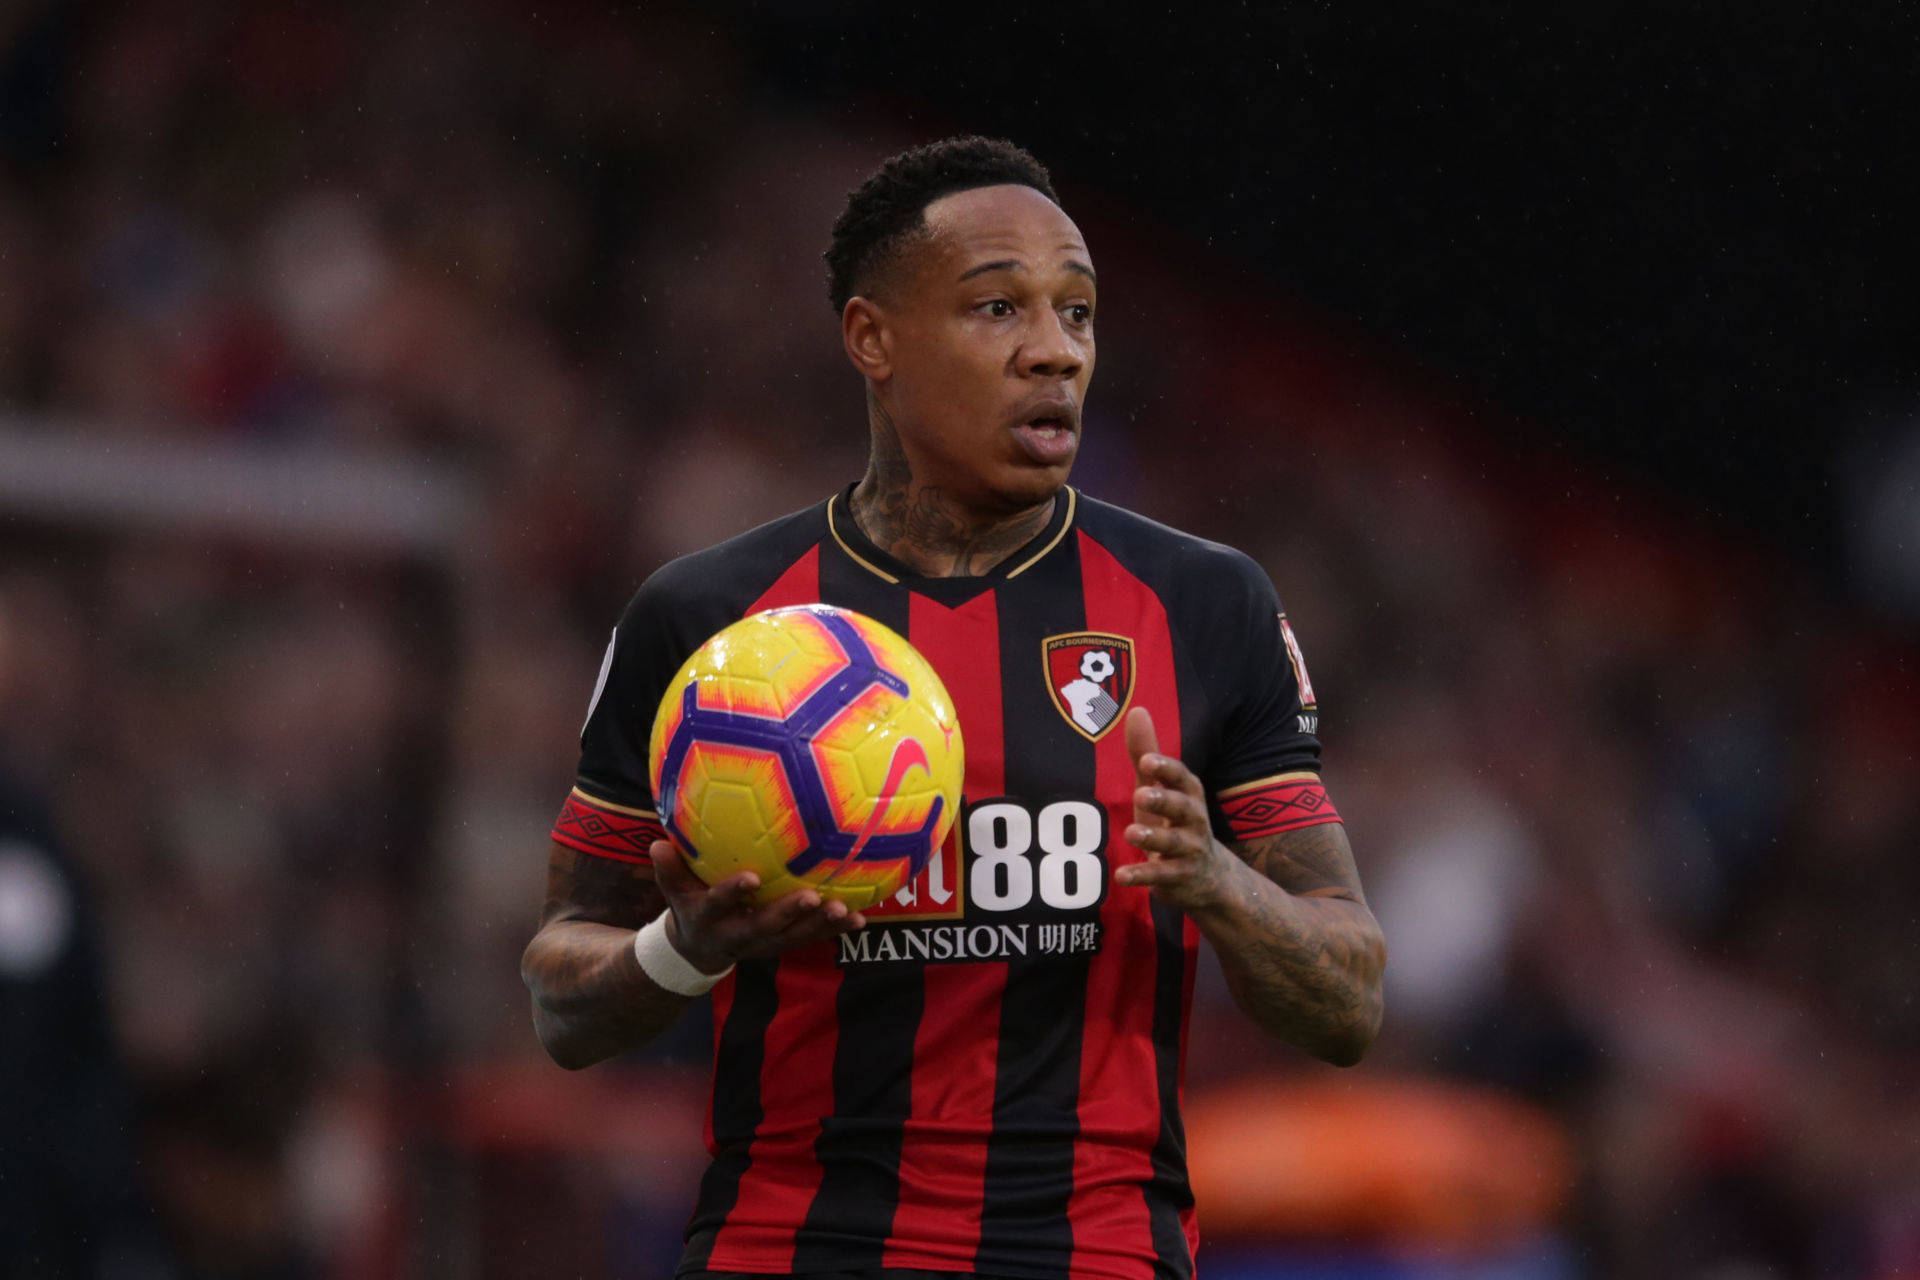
<point x="1264" y="777"/>
<point x="610" y="810"/>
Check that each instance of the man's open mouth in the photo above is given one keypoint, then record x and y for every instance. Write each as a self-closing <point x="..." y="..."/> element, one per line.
<point x="1050" y="437"/>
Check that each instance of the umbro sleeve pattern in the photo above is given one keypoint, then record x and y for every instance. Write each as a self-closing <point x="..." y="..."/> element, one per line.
<point x="1268" y="806"/>
<point x="607" y="830"/>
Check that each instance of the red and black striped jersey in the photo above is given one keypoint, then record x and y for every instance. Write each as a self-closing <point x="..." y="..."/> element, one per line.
<point x="986" y="1078"/>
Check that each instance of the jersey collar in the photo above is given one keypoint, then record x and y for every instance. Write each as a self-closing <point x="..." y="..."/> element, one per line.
<point x="846" y="532"/>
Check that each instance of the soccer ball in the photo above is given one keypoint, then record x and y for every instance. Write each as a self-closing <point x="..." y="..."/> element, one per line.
<point x="812" y="746"/>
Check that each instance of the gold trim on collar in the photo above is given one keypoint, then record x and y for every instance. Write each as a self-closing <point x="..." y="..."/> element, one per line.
<point x="858" y="559"/>
<point x="1066" y="524"/>
<point x="1072" y="502"/>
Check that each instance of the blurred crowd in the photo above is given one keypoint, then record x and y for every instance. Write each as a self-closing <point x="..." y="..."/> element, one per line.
<point x="1637" y="806"/>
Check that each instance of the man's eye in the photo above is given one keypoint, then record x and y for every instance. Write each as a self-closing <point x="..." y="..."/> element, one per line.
<point x="1080" y="313"/>
<point x="999" y="308"/>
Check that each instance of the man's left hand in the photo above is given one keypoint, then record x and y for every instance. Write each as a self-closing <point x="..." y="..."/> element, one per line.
<point x="1184" y="864"/>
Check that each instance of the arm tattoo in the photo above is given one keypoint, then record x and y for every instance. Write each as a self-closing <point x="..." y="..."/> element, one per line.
<point x="1301" y="951"/>
<point x="591" y="999"/>
<point x="606" y="891"/>
<point x="1307" y="860"/>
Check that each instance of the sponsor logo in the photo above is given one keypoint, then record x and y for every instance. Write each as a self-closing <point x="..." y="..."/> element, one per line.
<point x="1090" y="675"/>
<point x="1014" y="879"/>
<point x="934" y="894"/>
<point x="950" y="942"/>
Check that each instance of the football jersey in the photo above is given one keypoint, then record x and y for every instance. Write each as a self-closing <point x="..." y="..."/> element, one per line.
<point x="986" y="1078"/>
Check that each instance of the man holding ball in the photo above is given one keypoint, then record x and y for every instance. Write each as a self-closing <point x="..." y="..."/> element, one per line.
<point x="1133" y="701"/>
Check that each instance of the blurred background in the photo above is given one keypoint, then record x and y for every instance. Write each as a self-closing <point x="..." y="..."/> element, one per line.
<point x="358" y="359"/>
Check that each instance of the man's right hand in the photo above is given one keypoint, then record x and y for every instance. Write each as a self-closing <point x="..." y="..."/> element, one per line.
<point x="713" y="927"/>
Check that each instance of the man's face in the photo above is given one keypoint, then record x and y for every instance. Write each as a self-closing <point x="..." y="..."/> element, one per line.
<point x="990" y="320"/>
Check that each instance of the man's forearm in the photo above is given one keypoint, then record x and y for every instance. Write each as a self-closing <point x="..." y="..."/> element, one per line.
<point x="1305" y="967"/>
<point x="591" y="999"/>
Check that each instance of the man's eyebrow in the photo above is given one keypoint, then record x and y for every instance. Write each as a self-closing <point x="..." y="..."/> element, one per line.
<point x="1011" y="264"/>
<point x="1005" y="264"/>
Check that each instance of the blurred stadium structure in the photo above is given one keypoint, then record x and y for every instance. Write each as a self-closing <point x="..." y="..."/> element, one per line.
<point x="350" y="378"/>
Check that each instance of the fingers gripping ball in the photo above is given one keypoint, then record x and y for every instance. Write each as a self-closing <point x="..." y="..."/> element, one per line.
<point x="813" y="747"/>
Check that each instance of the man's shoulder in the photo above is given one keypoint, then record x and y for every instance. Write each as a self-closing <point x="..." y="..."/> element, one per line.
<point x="1166" y="558"/>
<point x="733" y="573"/>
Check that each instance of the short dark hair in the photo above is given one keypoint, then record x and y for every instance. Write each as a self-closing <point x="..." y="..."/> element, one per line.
<point x="886" y="209"/>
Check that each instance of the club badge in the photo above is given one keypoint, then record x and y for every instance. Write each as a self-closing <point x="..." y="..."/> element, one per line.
<point x="1090" y="675"/>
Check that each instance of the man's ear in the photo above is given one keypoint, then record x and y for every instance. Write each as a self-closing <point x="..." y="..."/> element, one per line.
<point x="863" y="330"/>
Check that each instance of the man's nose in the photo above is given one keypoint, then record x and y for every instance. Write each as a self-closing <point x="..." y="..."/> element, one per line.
<point x="1050" y="351"/>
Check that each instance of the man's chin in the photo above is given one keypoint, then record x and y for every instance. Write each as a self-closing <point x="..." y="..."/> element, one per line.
<point x="1030" y="486"/>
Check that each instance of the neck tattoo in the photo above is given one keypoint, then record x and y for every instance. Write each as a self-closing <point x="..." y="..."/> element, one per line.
<point x="924" y="528"/>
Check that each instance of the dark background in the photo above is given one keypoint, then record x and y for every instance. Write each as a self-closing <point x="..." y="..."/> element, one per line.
<point x="1673" y="239"/>
<point x="1676" y="241"/>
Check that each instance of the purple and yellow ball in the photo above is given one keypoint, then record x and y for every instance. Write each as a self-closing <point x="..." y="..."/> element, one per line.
<point x="812" y="746"/>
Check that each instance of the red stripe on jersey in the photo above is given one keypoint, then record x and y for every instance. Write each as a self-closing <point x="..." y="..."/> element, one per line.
<point x="1282" y="804"/>
<point x="943" y="1153"/>
<point x="607" y="831"/>
<point x="798" y="1049"/>
<point x="800" y="584"/>
<point x="1119" y="1110"/>
<point x="796" y="1087"/>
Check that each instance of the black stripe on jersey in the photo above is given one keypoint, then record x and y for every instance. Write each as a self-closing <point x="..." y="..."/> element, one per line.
<point x="1029" y="1177"/>
<point x="1169" y="1193"/>
<point x="877" y="1013"/>
<point x="736" y="1105"/>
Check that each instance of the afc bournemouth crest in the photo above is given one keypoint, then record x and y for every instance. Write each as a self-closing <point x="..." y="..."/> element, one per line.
<point x="1090" y="675"/>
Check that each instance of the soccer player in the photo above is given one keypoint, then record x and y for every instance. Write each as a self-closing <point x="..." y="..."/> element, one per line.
<point x="998" y="1096"/>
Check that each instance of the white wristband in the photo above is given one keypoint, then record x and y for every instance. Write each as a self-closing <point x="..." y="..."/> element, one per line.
<point x="667" y="967"/>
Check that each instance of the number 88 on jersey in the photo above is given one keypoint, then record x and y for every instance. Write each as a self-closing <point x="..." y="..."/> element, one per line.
<point x="812" y="746"/>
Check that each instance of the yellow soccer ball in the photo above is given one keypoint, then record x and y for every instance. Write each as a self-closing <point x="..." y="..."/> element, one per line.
<point x="812" y="746"/>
